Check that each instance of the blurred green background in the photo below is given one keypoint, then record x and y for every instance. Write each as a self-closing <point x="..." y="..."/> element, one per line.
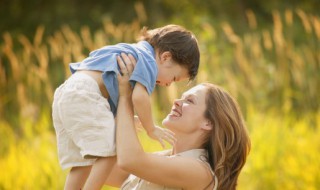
<point x="265" y="53"/>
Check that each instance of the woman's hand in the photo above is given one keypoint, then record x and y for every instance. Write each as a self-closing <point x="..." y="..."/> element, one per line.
<point x="126" y="64"/>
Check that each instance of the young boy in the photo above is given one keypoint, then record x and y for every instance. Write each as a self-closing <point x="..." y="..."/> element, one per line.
<point x="85" y="105"/>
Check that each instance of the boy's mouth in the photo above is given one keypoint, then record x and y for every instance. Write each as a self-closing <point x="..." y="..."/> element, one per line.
<point x="159" y="83"/>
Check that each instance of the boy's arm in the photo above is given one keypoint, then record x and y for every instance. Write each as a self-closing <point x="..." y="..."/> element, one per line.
<point x="142" y="105"/>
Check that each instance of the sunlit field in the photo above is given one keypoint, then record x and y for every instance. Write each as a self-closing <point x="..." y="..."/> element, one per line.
<point x="273" y="72"/>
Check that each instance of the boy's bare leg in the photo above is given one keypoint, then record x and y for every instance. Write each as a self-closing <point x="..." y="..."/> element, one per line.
<point x="77" y="177"/>
<point x="99" y="173"/>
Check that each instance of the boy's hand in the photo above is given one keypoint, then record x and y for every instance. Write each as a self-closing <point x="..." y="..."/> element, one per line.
<point x="137" y="123"/>
<point x="161" y="134"/>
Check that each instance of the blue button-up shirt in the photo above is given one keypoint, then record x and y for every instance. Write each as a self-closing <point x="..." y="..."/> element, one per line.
<point x="105" y="60"/>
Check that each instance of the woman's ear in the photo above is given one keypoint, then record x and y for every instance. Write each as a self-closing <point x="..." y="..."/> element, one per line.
<point x="207" y="125"/>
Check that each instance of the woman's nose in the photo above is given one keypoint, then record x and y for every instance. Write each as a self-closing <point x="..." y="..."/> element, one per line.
<point x="177" y="102"/>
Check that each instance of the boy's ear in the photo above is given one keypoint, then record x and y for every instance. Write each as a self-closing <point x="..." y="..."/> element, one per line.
<point x="165" y="56"/>
<point x="207" y="125"/>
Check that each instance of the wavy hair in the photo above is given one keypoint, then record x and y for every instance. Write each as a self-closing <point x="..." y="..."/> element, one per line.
<point x="228" y="143"/>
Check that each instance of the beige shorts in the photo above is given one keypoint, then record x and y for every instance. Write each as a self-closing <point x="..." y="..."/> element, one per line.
<point x="83" y="121"/>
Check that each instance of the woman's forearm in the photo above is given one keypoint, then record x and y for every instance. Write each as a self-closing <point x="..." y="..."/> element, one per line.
<point x="128" y="146"/>
<point x="142" y="105"/>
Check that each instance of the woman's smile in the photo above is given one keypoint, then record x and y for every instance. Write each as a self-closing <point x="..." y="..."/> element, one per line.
<point x="175" y="113"/>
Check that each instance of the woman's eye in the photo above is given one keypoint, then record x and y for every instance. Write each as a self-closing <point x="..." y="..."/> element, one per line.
<point x="189" y="100"/>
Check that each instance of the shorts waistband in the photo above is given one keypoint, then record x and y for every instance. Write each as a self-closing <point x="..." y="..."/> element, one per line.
<point x="84" y="81"/>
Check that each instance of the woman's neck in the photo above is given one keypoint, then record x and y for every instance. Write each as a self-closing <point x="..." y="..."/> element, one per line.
<point x="184" y="144"/>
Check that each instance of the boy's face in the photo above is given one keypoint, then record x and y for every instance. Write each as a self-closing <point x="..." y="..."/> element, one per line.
<point x="169" y="72"/>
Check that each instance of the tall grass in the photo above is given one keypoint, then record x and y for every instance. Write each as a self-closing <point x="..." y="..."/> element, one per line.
<point x="284" y="154"/>
<point x="273" y="73"/>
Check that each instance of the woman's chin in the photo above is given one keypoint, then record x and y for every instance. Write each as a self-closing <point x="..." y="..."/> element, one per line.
<point x="169" y="122"/>
<point x="168" y="119"/>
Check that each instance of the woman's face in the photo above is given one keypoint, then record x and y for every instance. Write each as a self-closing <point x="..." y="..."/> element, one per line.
<point x="187" y="113"/>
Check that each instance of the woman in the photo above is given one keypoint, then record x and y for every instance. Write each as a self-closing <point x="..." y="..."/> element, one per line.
<point x="210" y="149"/>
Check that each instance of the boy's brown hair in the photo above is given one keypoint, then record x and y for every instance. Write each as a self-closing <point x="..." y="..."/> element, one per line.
<point x="181" y="43"/>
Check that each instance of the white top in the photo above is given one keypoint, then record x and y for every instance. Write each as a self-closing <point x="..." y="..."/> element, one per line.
<point x="135" y="183"/>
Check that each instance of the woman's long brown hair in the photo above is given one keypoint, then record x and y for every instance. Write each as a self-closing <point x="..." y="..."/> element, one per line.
<point x="228" y="143"/>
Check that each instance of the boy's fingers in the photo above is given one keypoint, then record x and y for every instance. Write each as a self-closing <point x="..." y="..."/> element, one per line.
<point x="170" y="134"/>
<point x="162" y="143"/>
<point x="170" y="140"/>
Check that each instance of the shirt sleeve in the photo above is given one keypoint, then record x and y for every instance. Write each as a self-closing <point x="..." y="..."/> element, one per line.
<point x="145" y="72"/>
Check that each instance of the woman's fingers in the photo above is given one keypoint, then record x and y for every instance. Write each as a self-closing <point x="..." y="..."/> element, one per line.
<point x="124" y="75"/>
<point x="122" y="65"/>
<point x="129" y="63"/>
<point x="133" y="60"/>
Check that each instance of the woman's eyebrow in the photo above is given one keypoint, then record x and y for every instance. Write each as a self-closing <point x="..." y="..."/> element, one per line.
<point x="188" y="95"/>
